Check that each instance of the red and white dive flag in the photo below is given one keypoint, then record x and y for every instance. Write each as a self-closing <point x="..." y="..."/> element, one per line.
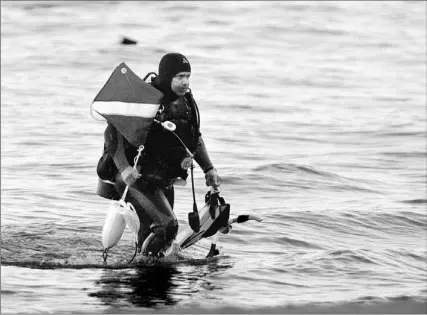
<point x="128" y="103"/>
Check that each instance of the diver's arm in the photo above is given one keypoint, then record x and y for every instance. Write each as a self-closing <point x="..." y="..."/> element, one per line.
<point x="119" y="155"/>
<point x="202" y="157"/>
<point x="129" y="174"/>
<point x="110" y="139"/>
<point x="115" y="147"/>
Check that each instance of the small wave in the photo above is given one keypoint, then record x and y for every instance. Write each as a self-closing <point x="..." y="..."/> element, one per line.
<point x="118" y="263"/>
<point x="218" y="22"/>
<point x="406" y="154"/>
<point x="408" y="219"/>
<point x="316" y="177"/>
<point x="62" y="265"/>
<point x="415" y="201"/>
<point x="354" y="188"/>
<point x="402" y="134"/>
<point x="185" y="7"/>
<point x="393" y="221"/>
<point x="349" y="255"/>
<point x="41" y="6"/>
<point x="322" y="31"/>
<point x="406" y="253"/>
<point x="290" y="168"/>
<point x="298" y="243"/>
<point x="379" y="306"/>
<point x="392" y="98"/>
<point x="416" y="257"/>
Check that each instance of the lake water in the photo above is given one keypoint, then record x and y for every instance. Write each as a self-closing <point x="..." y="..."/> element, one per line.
<point x="314" y="114"/>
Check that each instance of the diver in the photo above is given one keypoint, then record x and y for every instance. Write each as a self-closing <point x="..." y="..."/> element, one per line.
<point x="164" y="157"/>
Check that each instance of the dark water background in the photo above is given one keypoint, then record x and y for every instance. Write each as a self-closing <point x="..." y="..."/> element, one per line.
<point x="314" y="114"/>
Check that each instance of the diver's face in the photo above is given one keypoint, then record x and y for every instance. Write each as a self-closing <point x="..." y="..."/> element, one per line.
<point x="180" y="83"/>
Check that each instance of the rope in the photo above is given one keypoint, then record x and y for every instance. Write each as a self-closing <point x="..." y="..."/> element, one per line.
<point x="134" y="254"/>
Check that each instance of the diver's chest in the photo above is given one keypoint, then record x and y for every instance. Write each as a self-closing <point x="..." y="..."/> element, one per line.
<point x="178" y="107"/>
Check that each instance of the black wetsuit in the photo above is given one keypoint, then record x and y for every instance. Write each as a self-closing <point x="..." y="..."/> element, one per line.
<point x="152" y="194"/>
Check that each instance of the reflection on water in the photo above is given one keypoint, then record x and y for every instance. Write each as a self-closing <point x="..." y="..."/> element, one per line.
<point x="159" y="285"/>
<point x="144" y="286"/>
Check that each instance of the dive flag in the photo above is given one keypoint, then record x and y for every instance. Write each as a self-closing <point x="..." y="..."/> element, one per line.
<point x="128" y="103"/>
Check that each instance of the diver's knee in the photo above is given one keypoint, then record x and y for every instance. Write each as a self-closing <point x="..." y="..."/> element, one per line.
<point x="171" y="229"/>
<point x="160" y="238"/>
<point x="167" y="230"/>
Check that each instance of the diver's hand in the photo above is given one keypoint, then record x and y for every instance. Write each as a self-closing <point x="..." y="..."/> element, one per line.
<point x="212" y="178"/>
<point x="130" y="175"/>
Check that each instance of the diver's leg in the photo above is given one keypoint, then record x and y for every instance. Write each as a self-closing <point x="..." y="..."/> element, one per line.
<point x="170" y="195"/>
<point x="155" y="213"/>
<point x="165" y="224"/>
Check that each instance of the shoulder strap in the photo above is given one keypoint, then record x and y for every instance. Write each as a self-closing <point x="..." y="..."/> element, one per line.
<point x="195" y="118"/>
<point x="195" y="109"/>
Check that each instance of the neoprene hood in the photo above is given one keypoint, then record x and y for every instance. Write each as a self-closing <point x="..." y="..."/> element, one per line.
<point x="170" y="65"/>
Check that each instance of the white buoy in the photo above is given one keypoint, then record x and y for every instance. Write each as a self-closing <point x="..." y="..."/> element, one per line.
<point x="119" y="215"/>
<point x="113" y="227"/>
<point x="131" y="217"/>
